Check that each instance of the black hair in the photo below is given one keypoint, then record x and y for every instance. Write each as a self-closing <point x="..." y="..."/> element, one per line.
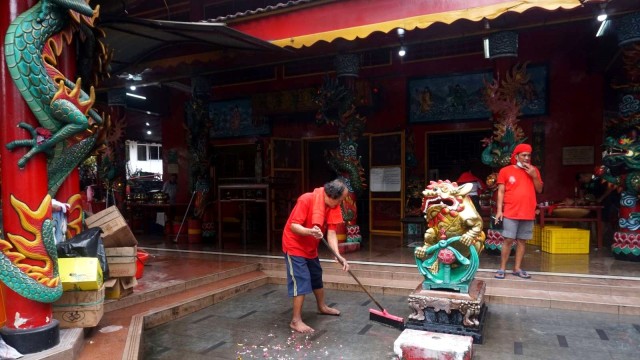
<point x="334" y="188"/>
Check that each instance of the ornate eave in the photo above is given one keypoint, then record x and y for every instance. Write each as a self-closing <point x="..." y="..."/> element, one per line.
<point x="309" y="25"/>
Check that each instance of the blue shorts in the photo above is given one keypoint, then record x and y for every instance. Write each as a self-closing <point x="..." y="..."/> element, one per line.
<point x="303" y="275"/>
<point x="517" y="229"/>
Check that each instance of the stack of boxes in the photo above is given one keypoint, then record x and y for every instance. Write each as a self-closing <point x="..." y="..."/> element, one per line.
<point x="81" y="303"/>
<point x="120" y="248"/>
<point x="122" y="271"/>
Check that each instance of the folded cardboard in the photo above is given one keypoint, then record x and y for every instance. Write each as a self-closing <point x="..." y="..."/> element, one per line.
<point x="81" y="273"/>
<point x="77" y="309"/>
<point x="121" y="259"/>
<point x="122" y="269"/>
<point x="121" y="251"/>
<point x="115" y="231"/>
<point x="117" y="288"/>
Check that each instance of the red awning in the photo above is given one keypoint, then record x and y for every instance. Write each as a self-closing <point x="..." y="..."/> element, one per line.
<point x="359" y="18"/>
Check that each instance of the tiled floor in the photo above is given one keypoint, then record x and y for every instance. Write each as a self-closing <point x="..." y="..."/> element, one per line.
<point x="254" y="326"/>
<point x="390" y="250"/>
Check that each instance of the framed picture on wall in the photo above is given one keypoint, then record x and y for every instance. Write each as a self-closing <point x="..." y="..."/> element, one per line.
<point x="234" y="118"/>
<point x="449" y="97"/>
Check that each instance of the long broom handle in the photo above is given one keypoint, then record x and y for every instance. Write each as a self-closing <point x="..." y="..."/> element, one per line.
<point x="352" y="275"/>
<point x="185" y="216"/>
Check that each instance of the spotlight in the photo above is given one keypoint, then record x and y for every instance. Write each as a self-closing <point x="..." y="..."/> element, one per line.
<point x="132" y="87"/>
<point x="602" y="16"/>
<point x="146" y="123"/>
<point x="400" y="32"/>
<point x="148" y="132"/>
<point x="402" y="52"/>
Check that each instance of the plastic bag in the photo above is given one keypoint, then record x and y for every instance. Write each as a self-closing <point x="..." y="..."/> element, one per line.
<point x="86" y="244"/>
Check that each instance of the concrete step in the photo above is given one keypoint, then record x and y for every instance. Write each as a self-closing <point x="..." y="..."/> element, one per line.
<point x="176" y="287"/>
<point x="561" y="291"/>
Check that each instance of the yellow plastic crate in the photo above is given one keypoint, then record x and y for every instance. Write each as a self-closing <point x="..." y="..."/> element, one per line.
<point x="564" y="263"/>
<point x="537" y="234"/>
<point x="565" y="241"/>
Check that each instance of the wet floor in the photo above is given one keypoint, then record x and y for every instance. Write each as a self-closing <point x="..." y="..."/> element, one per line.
<point x="254" y="325"/>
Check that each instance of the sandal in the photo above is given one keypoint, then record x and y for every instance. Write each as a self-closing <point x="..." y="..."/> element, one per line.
<point x="499" y="274"/>
<point x="521" y="274"/>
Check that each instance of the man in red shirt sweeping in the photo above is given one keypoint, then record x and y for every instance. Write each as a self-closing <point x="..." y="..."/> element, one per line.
<point x="518" y="184"/>
<point x="315" y="212"/>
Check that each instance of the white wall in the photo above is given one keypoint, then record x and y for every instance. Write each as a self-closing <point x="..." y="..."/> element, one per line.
<point x="153" y="166"/>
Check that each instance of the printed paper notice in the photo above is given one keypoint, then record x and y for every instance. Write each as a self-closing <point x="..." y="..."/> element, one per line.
<point x="386" y="179"/>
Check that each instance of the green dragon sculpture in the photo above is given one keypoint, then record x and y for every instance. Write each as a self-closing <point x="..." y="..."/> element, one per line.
<point x="38" y="283"/>
<point x="33" y="42"/>
<point x="66" y="135"/>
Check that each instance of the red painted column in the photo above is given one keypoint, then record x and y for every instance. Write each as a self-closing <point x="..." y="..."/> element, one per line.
<point x="69" y="191"/>
<point x="29" y="324"/>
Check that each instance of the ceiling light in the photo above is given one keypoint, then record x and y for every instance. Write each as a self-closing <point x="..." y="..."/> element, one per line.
<point x="485" y="46"/>
<point x="602" y="16"/>
<point x="402" y="51"/>
<point x="146" y="123"/>
<point x="148" y="113"/>
<point x="137" y="96"/>
<point x="148" y="132"/>
<point x="400" y="32"/>
<point x="132" y="87"/>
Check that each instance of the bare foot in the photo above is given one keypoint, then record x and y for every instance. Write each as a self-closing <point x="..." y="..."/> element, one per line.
<point x="301" y="327"/>
<point x="325" y="310"/>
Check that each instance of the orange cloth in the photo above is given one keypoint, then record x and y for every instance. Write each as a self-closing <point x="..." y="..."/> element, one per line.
<point x="317" y="212"/>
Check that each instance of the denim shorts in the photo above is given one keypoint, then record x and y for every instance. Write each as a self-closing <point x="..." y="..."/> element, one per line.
<point x="517" y="229"/>
<point x="303" y="275"/>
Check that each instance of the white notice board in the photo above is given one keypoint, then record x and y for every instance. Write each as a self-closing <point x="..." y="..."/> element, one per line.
<point x="385" y="179"/>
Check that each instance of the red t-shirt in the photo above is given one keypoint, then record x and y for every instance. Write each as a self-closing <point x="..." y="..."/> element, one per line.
<point x="519" y="193"/>
<point x="307" y="246"/>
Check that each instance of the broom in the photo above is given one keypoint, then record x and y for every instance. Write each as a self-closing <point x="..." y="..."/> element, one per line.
<point x="381" y="316"/>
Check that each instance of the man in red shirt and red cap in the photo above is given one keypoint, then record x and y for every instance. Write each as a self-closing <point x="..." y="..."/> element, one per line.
<point x="518" y="184"/>
<point x="314" y="213"/>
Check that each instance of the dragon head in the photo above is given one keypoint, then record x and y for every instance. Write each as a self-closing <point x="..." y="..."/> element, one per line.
<point x="623" y="151"/>
<point x="444" y="195"/>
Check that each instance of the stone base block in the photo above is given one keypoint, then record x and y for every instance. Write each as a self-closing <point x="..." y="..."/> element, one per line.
<point x="418" y="345"/>
<point x="449" y="312"/>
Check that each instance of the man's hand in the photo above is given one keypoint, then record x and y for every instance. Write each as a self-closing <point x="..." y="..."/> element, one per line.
<point x="530" y="169"/>
<point x="316" y="232"/>
<point x="342" y="261"/>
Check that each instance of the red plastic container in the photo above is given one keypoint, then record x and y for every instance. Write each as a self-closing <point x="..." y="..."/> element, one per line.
<point x="142" y="256"/>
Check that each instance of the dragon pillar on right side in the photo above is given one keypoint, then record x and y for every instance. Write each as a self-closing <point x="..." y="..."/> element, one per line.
<point x="621" y="158"/>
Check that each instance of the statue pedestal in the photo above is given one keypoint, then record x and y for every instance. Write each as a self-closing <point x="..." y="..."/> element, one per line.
<point x="449" y="312"/>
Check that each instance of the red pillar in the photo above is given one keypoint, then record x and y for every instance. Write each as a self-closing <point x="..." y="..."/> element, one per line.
<point x="29" y="326"/>
<point x="69" y="191"/>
